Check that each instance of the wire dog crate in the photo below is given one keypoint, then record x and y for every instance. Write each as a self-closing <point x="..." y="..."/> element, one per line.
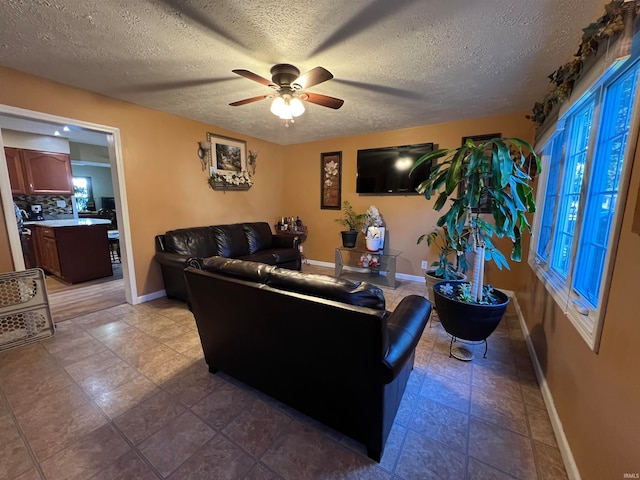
<point x="25" y="316"/>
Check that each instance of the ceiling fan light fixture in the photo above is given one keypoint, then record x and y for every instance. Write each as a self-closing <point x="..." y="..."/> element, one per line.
<point x="286" y="107"/>
<point x="277" y="106"/>
<point x="297" y="107"/>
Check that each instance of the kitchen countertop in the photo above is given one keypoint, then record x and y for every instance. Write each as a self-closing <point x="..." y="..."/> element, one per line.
<point x="70" y="222"/>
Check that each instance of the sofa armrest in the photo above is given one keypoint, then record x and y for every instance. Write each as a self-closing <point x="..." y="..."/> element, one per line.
<point x="286" y="241"/>
<point x="405" y="326"/>
<point x="176" y="260"/>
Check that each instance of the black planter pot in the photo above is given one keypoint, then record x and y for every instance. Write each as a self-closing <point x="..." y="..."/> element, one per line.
<point x="469" y="321"/>
<point x="349" y="238"/>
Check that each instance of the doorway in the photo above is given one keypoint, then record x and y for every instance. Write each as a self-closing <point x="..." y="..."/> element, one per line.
<point x="41" y="123"/>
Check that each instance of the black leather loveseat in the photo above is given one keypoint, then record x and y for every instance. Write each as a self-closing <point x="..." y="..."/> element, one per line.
<point x="322" y="345"/>
<point x="177" y="249"/>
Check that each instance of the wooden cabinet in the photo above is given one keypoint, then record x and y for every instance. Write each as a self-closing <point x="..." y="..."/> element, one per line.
<point x="16" y="172"/>
<point x="74" y="253"/>
<point x="47" y="251"/>
<point x="35" y="172"/>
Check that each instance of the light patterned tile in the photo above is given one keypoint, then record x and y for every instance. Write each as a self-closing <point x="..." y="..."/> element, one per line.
<point x="126" y="396"/>
<point x="174" y="443"/>
<point x="439" y="422"/>
<point x="149" y="417"/>
<point x="447" y="392"/>
<point x="222" y="405"/>
<point x="86" y="456"/>
<point x="423" y="458"/>
<point x="218" y="459"/>
<point x="549" y="461"/>
<point x="541" y="429"/>
<point x="257" y="427"/>
<point x="502" y="449"/>
<point x="499" y="409"/>
<point x="127" y="467"/>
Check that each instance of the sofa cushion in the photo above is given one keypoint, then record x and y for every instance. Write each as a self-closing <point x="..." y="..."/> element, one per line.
<point x="242" y="269"/>
<point x="258" y="235"/>
<point x="230" y="240"/>
<point x="324" y="286"/>
<point x="262" y="257"/>
<point x="196" y="242"/>
<point x="284" y="255"/>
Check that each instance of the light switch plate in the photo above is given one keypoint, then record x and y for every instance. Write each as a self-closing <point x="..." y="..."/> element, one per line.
<point x="423" y="265"/>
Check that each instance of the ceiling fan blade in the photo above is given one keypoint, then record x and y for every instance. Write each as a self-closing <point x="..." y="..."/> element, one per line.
<point x="253" y="76"/>
<point x="249" y="100"/>
<point x="324" y="100"/>
<point x="313" y="77"/>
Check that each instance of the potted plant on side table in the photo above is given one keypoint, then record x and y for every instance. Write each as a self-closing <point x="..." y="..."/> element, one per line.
<point x="352" y="221"/>
<point x="463" y="179"/>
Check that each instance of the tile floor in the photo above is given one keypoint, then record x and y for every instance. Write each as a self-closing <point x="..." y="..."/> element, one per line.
<point x="125" y="394"/>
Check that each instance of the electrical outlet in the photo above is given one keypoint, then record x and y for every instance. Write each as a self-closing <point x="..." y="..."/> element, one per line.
<point x="423" y="265"/>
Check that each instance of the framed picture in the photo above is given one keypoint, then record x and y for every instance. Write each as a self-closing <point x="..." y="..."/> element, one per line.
<point x="331" y="180"/>
<point x="485" y="203"/>
<point x="227" y="155"/>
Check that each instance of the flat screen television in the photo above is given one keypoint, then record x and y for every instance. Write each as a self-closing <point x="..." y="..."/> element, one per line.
<point x="386" y="170"/>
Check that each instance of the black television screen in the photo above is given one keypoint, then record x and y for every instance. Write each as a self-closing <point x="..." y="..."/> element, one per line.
<point x="386" y="170"/>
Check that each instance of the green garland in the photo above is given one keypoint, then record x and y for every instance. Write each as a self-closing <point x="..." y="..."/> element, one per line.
<point x="565" y="77"/>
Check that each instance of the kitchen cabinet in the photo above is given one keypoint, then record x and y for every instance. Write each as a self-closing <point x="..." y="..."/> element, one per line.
<point x="35" y="172"/>
<point x="75" y="253"/>
<point x="47" y="250"/>
<point x="16" y="172"/>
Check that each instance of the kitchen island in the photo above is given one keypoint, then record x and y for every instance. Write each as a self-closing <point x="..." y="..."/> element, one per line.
<point x="74" y="250"/>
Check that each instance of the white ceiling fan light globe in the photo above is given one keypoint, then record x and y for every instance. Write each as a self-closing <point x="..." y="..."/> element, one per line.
<point x="297" y="107"/>
<point x="277" y="106"/>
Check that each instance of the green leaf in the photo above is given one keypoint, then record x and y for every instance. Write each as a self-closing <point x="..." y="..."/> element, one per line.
<point x="516" y="253"/>
<point x="453" y="175"/>
<point x="506" y="163"/>
<point x="435" y="155"/>
<point x="440" y="201"/>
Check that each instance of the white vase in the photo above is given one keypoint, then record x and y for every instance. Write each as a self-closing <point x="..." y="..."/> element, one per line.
<point x="373" y="243"/>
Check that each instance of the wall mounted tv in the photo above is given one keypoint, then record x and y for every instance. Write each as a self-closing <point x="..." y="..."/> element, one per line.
<point x="386" y="170"/>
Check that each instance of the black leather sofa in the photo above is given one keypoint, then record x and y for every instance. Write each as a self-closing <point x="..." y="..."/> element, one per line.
<point x="178" y="249"/>
<point x="324" y="346"/>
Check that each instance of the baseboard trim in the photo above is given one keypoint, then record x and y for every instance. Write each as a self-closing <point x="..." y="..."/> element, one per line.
<point x="149" y="296"/>
<point x="563" y="444"/>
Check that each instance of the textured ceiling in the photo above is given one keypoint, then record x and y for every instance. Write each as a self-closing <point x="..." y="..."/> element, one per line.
<point x="396" y="64"/>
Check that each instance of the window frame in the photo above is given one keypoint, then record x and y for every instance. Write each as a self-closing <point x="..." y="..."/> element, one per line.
<point x="587" y="320"/>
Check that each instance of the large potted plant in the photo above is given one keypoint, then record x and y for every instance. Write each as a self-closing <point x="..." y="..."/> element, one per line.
<point x="352" y="221"/>
<point x="462" y="179"/>
<point x="443" y="268"/>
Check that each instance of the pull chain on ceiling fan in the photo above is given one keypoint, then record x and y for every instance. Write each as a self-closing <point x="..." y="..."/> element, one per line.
<point x="289" y="97"/>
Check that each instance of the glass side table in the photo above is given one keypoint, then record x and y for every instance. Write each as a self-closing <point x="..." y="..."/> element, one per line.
<point x="382" y="273"/>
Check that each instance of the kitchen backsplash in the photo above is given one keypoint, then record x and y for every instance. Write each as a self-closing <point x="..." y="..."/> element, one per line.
<point x="50" y="208"/>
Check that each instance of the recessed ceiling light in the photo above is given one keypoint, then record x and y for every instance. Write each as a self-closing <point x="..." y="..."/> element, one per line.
<point x="56" y="133"/>
<point x="66" y="129"/>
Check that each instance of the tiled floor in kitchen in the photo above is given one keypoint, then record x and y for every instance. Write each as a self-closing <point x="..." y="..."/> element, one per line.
<point x="125" y="394"/>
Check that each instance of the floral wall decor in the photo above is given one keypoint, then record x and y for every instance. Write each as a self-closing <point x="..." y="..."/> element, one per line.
<point x="330" y="180"/>
<point x="565" y="77"/>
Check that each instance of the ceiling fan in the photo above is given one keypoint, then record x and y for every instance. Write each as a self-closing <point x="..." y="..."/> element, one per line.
<point x="289" y="85"/>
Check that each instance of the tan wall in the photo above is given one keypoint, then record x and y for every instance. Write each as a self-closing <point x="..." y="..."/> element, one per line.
<point x="407" y="217"/>
<point x="165" y="185"/>
<point x="596" y="395"/>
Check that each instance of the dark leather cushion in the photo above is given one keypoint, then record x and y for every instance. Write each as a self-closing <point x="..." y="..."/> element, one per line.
<point x="195" y="242"/>
<point x="242" y="269"/>
<point x="283" y="255"/>
<point x="230" y="240"/>
<point x="263" y="257"/>
<point x="258" y="235"/>
<point x="354" y="293"/>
